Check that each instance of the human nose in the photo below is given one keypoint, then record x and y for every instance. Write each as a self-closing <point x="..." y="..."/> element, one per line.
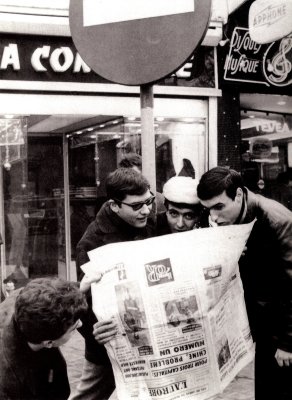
<point x="180" y="221"/>
<point x="145" y="210"/>
<point x="213" y="215"/>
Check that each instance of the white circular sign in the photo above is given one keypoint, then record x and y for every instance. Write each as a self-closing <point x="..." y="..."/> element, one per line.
<point x="135" y="42"/>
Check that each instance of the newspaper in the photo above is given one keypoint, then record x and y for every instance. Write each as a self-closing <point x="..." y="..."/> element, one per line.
<point x="178" y="302"/>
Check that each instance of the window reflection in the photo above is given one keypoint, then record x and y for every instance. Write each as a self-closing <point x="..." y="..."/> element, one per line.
<point x="33" y="206"/>
<point x="33" y="196"/>
<point x="266" y="144"/>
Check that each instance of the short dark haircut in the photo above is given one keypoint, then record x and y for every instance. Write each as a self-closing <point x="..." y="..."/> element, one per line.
<point x="197" y="208"/>
<point x="9" y="279"/>
<point x="217" y="180"/>
<point x="125" y="181"/>
<point x="131" y="160"/>
<point x="47" y="307"/>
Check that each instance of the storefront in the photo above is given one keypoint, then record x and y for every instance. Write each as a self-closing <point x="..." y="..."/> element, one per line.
<point x="259" y="76"/>
<point x="63" y="129"/>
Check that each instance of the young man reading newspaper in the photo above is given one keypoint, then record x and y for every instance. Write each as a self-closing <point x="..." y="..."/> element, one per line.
<point x="266" y="272"/>
<point x="124" y="217"/>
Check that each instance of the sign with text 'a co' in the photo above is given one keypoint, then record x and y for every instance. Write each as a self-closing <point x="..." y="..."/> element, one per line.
<point x="125" y="41"/>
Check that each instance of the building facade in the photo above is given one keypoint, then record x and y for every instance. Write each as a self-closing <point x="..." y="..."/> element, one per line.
<point x="63" y="129"/>
<point x="256" y="82"/>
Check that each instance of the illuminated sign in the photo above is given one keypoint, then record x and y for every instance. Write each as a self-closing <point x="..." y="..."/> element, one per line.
<point x="269" y="126"/>
<point x="60" y="59"/>
<point x="248" y="61"/>
<point x="272" y="127"/>
<point x="270" y="20"/>
<point x="31" y="58"/>
<point x="277" y="63"/>
<point x="243" y="63"/>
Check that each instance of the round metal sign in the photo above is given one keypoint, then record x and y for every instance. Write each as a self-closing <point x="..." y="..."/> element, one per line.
<point x="135" y="42"/>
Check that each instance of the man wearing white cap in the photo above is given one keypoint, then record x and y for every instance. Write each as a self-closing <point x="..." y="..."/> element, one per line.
<point x="183" y="209"/>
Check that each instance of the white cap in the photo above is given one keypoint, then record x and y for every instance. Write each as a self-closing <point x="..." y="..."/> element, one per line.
<point x="181" y="189"/>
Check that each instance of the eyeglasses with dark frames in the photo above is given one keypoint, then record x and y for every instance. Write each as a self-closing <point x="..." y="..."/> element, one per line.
<point x="137" y="206"/>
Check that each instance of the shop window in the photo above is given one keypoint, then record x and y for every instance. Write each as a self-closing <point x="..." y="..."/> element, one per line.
<point x="32" y="197"/>
<point x="14" y="221"/>
<point x="32" y="202"/>
<point x="266" y="154"/>
<point x="96" y="150"/>
<point x="46" y="230"/>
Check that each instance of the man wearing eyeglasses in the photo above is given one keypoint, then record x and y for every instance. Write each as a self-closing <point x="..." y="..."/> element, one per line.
<point x="183" y="213"/>
<point x="134" y="160"/>
<point x="124" y="217"/>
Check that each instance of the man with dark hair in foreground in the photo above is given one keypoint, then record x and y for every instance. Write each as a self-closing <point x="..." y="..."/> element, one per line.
<point x="266" y="272"/>
<point x="124" y="217"/>
<point x="46" y="313"/>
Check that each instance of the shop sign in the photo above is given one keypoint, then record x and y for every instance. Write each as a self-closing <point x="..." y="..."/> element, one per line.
<point x="30" y="58"/>
<point x="270" y="126"/>
<point x="136" y="43"/>
<point x="277" y="63"/>
<point x="270" y="20"/>
<point x="248" y="61"/>
<point x="243" y="63"/>
<point x="260" y="148"/>
<point x="276" y="124"/>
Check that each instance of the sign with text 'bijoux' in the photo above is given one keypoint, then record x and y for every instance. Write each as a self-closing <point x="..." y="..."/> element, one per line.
<point x="125" y="41"/>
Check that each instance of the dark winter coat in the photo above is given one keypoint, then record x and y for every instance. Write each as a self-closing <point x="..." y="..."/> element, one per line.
<point x="266" y="269"/>
<point x="107" y="228"/>
<point x="30" y="375"/>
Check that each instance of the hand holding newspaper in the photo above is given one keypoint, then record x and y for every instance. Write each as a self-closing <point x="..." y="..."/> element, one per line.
<point x="178" y="307"/>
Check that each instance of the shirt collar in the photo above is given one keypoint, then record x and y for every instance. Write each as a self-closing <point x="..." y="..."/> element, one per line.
<point x="243" y="210"/>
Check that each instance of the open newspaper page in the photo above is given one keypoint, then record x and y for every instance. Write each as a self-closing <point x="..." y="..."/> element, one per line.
<point x="178" y="302"/>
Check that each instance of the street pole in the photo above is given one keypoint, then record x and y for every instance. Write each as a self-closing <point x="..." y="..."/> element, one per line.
<point x="148" y="135"/>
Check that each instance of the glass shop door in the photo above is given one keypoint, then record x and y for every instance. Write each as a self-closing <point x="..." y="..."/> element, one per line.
<point x="32" y="203"/>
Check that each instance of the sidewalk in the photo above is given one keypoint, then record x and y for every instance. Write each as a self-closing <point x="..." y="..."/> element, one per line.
<point x="241" y="388"/>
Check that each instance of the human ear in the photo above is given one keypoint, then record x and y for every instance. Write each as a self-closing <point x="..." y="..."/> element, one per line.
<point x="239" y="194"/>
<point x="48" y="344"/>
<point x="114" y="206"/>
